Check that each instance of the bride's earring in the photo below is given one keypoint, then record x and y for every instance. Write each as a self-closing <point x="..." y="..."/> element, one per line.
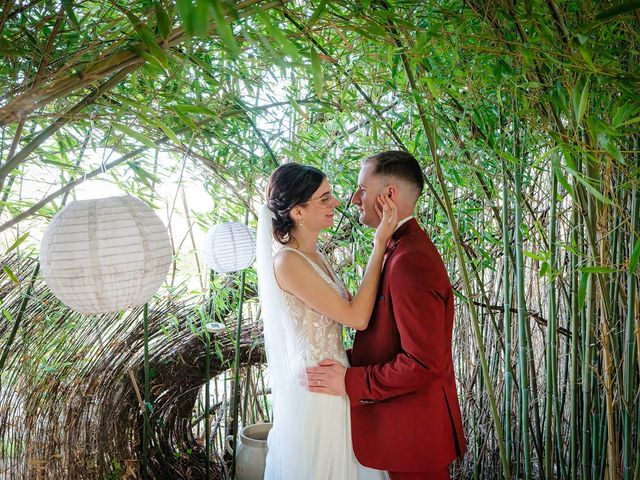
<point x="301" y="222"/>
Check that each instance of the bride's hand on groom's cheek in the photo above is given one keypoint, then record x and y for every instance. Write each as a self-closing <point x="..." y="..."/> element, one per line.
<point x="388" y="213"/>
<point x="327" y="378"/>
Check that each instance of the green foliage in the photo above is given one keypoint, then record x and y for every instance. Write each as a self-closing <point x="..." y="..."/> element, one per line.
<point x="218" y="93"/>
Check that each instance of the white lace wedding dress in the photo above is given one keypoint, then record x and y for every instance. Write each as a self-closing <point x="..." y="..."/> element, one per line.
<point x="311" y="434"/>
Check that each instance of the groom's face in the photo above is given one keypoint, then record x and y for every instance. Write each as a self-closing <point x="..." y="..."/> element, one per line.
<point x="370" y="186"/>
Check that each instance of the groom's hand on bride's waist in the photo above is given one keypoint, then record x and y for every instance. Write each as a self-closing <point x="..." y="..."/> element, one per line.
<point x="327" y="377"/>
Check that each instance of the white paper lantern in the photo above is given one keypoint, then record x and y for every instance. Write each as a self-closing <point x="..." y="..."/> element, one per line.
<point x="229" y="247"/>
<point x="103" y="255"/>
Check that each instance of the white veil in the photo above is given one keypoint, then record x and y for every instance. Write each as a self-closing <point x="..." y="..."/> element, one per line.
<point x="286" y="362"/>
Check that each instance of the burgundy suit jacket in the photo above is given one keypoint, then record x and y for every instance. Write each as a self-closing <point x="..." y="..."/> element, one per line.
<point x="405" y="415"/>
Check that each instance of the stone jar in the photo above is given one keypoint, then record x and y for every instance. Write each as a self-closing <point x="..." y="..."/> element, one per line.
<point x="251" y="452"/>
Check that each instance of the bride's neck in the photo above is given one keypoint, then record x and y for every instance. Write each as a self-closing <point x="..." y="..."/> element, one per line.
<point x="306" y="242"/>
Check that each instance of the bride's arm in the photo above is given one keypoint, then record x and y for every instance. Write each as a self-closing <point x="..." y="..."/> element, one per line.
<point x="296" y="276"/>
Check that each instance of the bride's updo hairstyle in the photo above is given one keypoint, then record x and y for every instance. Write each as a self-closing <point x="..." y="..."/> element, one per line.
<point x="289" y="185"/>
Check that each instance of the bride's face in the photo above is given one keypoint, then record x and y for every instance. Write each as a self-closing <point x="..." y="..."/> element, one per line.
<point x="317" y="212"/>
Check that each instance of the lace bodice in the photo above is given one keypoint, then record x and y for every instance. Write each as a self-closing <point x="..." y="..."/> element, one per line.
<point x="317" y="336"/>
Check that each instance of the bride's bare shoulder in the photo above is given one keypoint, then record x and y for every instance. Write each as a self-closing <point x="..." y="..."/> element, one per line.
<point x="287" y="261"/>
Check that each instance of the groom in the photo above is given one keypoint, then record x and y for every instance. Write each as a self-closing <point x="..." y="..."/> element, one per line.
<point x="405" y="415"/>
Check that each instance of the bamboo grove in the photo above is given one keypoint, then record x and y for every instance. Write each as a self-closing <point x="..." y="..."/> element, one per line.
<point x="524" y="114"/>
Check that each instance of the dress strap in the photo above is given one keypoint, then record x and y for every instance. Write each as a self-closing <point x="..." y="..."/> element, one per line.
<point x="314" y="265"/>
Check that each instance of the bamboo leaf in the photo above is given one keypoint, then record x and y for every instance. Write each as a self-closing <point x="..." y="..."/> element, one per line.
<point x="67" y="6"/>
<point x="316" y="70"/>
<point x="168" y="132"/>
<point x="534" y="256"/>
<point x="152" y="64"/>
<point x="10" y="274"/>
<point x="623" y="8"/>
<point x="580" y="100"/>
<point x="146" y="177"/>
<point x="133" y="19"/>
<point x="149" y="40"/>
<point x="279" y="38"/>
<point x="630" y="122"/>
<point x="582" y="292"/>
<point x="224" y="28"/>
<point x="589" y="187"/>
<point x="564" y="182"/>
<point x="317" y="13"/>
<point x="431" y="85"/>
<point x="133" y="134"/>
<point x="586" y="55"/>
<point x="17" y="243"/>
<point x="184" y="117"/>
<point x="146" y="35"/>
<point x="611" y="148"/>
<point x="544" y="269"/>
<point x="185" y="11"/>
<point x="298" y="108"/>
<point x="528" y="6"/>
<point x="162" y="20"/>
<point x="198" y="109"/>
<point x="199" y="18"/>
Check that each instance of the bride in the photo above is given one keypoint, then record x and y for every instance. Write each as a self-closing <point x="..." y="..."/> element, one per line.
<point x="304" y="306"/>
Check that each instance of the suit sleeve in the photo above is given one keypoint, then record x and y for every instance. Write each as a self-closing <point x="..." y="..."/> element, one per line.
<point x="419" y="311"/>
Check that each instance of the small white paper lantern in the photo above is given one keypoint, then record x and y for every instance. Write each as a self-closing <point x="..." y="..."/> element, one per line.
<point x="229" y="247"/>
<point x="103" y="255"/>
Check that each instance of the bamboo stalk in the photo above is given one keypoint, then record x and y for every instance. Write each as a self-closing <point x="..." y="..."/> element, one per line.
<point x="587" y="379"/>
<point x="612" y="447"/>
<point x="630" y="383"/>
<point x="506" y="250"/>
<point x="523" y="356"/>
<point x="575" y="340"/>
<point x="551" y="340"/>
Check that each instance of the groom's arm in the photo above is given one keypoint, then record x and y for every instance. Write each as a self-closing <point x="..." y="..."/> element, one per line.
<point x="419" y="311"/>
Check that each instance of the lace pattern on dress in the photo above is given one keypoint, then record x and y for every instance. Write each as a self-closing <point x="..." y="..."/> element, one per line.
<point x="316" y="335"/>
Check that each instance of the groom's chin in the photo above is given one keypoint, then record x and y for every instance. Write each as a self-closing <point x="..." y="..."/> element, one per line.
<point x="366" y="221"/>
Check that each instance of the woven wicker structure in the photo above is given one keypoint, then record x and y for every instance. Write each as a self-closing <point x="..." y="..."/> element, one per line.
<point x="70" y="401"/>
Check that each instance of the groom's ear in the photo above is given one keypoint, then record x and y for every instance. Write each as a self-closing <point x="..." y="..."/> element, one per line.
<point x="392" y="192"/>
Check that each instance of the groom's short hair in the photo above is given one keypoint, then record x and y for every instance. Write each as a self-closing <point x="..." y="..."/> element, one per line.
<point x="398" y="164"/>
